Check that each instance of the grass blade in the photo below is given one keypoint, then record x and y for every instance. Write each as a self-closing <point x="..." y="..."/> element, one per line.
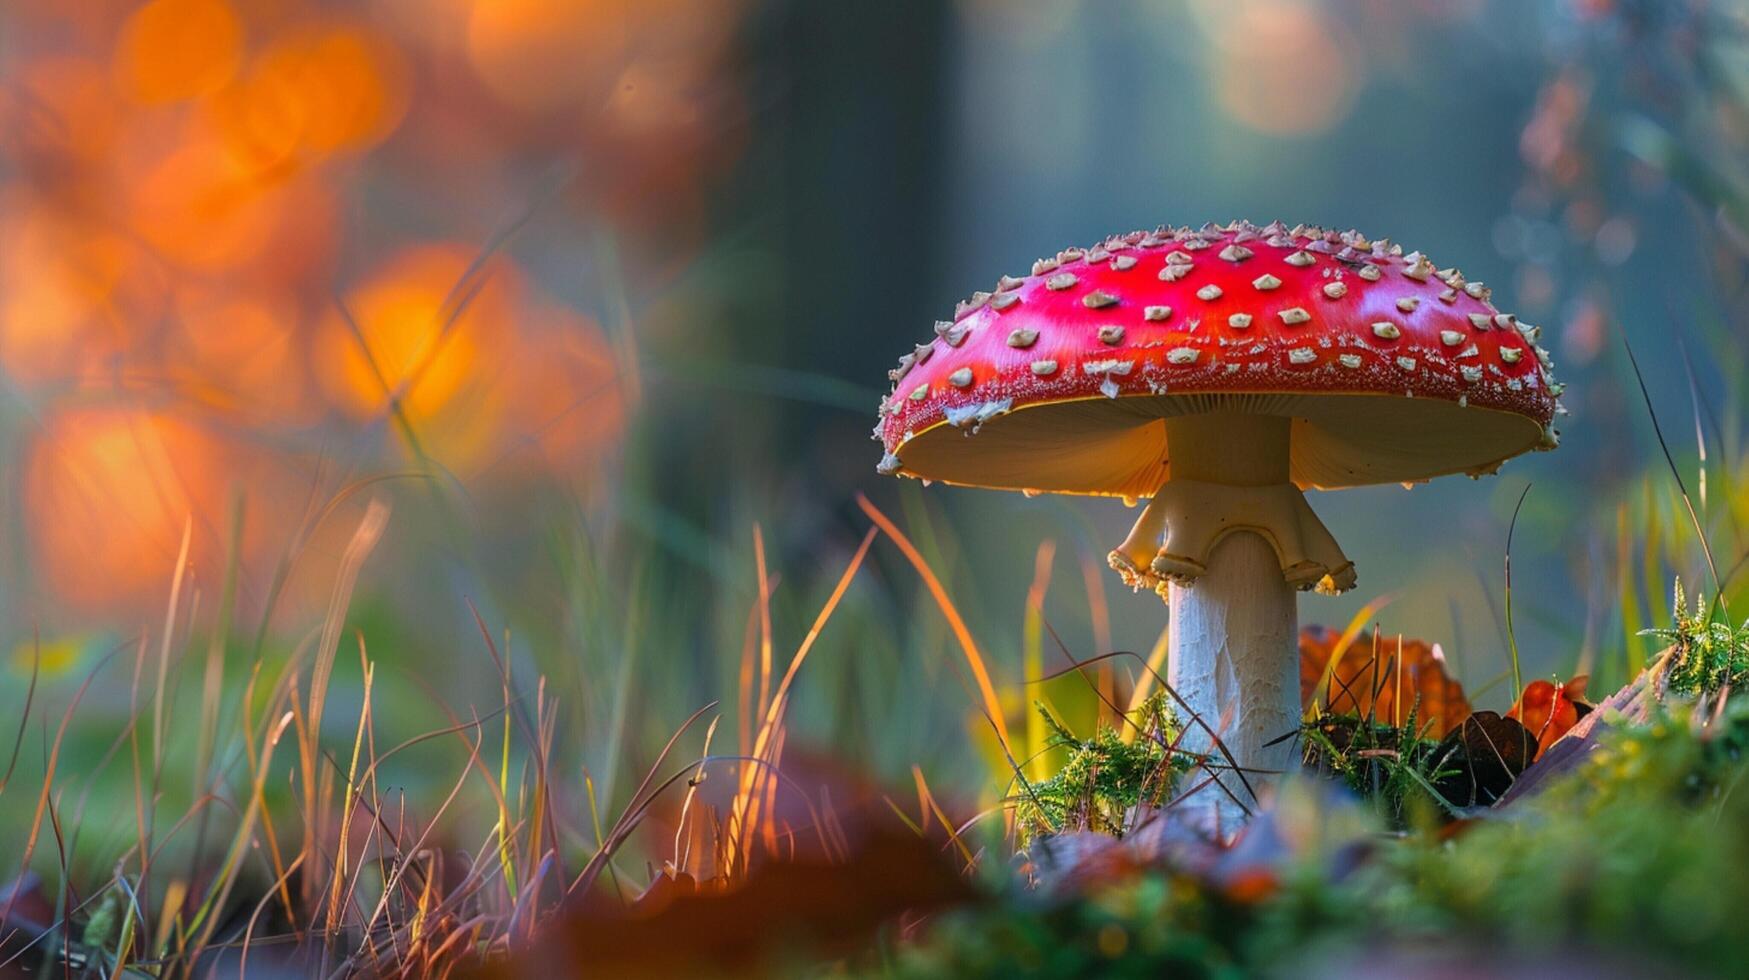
<point x="986" y="690"/>
<point x="1511" y="637"/>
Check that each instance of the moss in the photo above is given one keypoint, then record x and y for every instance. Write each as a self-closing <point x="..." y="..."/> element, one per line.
<point x="1104" y="777"/>
<point x="1711" y="654"/>
<point x="1633" y="853"/>
<point x="1392" y="765"/>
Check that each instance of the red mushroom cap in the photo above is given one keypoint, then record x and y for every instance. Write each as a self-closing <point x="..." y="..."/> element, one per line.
<point x="1393" y="370"/>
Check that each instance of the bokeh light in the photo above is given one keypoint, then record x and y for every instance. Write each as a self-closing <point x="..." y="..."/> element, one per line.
<point x="108" y="492"/>
<point x="568" y="397"/>
<point x="413" y="331"/>
<point x="70" y="296"/>
<point x="543" y="54"/>
<point x="320" y="89"/>
<point x="240" y="355"/>
<point x="189" y="312"/>
<point x="199" y="206"/>
<point x="171" y="50"/>
<point x="1282" y="67"/>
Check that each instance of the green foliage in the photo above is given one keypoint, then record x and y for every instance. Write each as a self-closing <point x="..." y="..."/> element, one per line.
<point x="1634" y="851"/>
<point x="1393" y="766"/>
<point x="100" y="930"/>
<point x="1673" y="759"/>
<point x="1710" y="652"/>
<point x="1153" y="926"/>
<point x="1104" y="777"/>
<point x="1631" y="855"/>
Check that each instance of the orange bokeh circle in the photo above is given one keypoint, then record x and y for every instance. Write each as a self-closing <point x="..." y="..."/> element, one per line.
<point x="170" y="50"/>
<point x="107" y="492"/>
<point x="409" y="333"/>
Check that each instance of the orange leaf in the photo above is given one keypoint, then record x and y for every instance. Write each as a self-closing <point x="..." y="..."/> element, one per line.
<point x="1383" y="676"/>
<point x="1550" y="709"/>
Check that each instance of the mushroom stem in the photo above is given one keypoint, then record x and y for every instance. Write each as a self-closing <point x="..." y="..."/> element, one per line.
<point x="1234" y="643"/>
<point x="1239" y="538"/>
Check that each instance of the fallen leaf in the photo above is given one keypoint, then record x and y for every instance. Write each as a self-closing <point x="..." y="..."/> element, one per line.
<point x="1384" y="676"/>
<point x="1488" y="753"/>
<point x="1550" y="709"/>
<point x="813" y="907"/>
<point x="1631" y="705"/>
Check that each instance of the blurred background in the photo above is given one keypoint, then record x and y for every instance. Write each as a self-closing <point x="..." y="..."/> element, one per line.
<point x="596" y="294"/>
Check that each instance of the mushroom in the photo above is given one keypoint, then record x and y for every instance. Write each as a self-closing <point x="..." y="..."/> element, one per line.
<point x="1219" y="372"/>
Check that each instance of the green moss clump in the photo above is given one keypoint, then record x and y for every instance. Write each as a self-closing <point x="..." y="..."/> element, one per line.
<point x="1105" y="777"/>
<point x="1711" y="654"/>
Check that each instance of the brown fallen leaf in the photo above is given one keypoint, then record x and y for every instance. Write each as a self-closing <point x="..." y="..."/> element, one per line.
<point x="1383" y="675"/>
<point x="1486" y="754"/>
<point x="811" y="907"/>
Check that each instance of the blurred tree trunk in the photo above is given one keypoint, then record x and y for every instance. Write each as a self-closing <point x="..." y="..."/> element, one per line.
<point x="825" y="256"/>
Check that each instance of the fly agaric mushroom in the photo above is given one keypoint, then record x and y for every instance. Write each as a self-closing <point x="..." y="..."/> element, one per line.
<point x="1219" y="371"/>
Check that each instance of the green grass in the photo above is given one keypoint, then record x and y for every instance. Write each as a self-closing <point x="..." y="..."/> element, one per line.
<point x="1394" y="766"/>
